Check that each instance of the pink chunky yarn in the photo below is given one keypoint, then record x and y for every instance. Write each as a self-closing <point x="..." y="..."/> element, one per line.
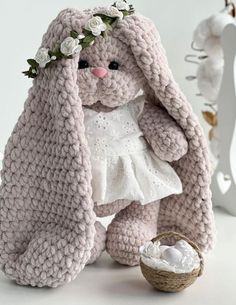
<point x="47" y="231"/>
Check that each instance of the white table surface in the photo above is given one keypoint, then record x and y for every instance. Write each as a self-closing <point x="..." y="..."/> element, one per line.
<point x="107" y="282"/>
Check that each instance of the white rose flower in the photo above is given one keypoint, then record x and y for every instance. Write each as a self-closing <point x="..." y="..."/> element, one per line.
<point x="70" y="46"/>
<point x="122" y="5"/>
<point x="113" y="11"/>
<point x="42" y="57"/>
<point x="96" y="25"/>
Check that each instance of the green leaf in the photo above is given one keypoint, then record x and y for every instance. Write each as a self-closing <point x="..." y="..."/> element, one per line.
<point x="107" y="19"/>
<point x="32" y="62"/>
<point x="87" y="41"/>
<point x="89" y="38"/>
<point x="86" y="32"/>
<point x="50" y="53"/>
<point x="85" y="45"/>
<point x="29" y="73"/>
<point x="131" y="9"/>
<point x="58" y="54"/>
<point x="98" y="15"/>
<point x="109" y="27"/>
<point x="125" y="13"/>
<point x="74" y="34"/>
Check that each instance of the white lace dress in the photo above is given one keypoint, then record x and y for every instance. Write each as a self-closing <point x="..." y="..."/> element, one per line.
<point x="123" y="166"/>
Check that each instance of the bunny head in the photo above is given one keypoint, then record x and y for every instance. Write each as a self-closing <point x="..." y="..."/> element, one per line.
<point x="108" y="73"/>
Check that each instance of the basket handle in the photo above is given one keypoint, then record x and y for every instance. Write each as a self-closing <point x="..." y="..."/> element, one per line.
<point x="179" y="236"/>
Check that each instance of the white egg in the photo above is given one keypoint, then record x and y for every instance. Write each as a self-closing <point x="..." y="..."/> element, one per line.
<point x="172" y="255"/>
<point x="184" y="247"/>
<point x="163" y="248"/>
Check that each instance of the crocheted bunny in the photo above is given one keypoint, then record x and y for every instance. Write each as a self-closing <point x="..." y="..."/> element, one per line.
<point x="48" y="222"/>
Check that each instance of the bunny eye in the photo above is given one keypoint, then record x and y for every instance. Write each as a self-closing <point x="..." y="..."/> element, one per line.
<point x="83" y="64"/>
<point x="113" y="65"/>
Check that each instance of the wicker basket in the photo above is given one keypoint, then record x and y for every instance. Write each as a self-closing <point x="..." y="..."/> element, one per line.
<point x="170" y="281"/>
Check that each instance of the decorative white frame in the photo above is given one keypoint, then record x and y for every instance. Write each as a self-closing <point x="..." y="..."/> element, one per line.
<point x="224" y="178"/>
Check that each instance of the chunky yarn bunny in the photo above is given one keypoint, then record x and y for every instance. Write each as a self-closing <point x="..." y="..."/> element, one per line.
<point x="53" y="187"/>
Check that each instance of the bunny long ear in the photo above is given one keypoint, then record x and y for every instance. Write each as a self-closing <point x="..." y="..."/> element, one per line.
<point x="191" y="212"/>
<point x="47" y="219"/>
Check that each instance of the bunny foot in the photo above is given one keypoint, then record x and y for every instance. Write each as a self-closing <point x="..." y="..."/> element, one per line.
<point x="130" y="229"/>
<point x="53" y="256"/>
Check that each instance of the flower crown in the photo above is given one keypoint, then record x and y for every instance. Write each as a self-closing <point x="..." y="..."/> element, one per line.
<point x="100" y="24"/>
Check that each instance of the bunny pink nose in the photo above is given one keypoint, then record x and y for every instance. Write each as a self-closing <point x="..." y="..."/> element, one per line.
<point x="100" y="72"/>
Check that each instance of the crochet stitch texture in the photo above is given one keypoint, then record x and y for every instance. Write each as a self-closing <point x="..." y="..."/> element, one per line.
<point x="48" y="231"/>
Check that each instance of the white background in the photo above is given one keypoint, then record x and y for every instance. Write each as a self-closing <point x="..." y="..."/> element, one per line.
<point x="23" y="22"/>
